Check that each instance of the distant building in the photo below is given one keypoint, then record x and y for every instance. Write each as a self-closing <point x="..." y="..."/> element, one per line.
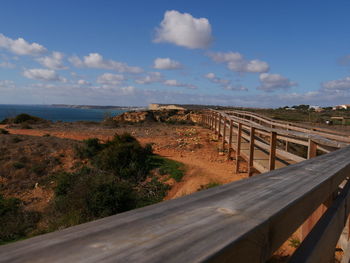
<point x="154" y="106"/>
<point x="342" y="107"/>
<point x="316" y="108"/>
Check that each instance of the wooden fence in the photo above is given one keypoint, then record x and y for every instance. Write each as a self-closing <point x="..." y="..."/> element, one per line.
<point x="244" y="221"/>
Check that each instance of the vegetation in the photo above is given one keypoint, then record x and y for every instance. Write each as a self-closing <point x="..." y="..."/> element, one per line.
<point x="3" y="131"/>
<point x="209" y="185"/>
<point x="107" y="178"/>
<point x="23" y="118"/>
<point x="173" y="168"/>
<point x="15" y="222"/>
<point x="116" y="181"/>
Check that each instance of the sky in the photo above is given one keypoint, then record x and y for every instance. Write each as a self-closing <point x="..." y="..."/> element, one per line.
<point x="249" y="53"/>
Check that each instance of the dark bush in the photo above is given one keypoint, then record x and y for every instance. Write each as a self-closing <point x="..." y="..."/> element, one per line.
<point x="89" y="149"/>
<point x="27" y="118"/>
<point x="89" y="194"/>
<point x="3" y="131"/>
<point x="15" y="222"/>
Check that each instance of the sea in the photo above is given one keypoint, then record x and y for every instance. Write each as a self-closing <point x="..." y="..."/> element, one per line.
<point x="54" y="113"/>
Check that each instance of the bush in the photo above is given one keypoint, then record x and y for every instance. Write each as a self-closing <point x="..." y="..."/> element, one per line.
<point x="89" y="194"/>
<point x="123" y="156"/>
<point x="166" y="166"/>
<point x="26" y="118"/>
<point x="15" y="222"/>
<point x="3" y="131"/>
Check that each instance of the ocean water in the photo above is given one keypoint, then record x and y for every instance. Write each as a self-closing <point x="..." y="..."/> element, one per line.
<point x="57" y="114"/>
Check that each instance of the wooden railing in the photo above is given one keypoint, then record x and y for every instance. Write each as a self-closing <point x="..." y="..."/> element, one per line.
<point x="244" y="221"/>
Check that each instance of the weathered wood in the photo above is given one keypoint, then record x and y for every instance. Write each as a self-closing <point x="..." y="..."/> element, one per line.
<point x="238" y="149"/>
<point x="245" y="221"/>
<point x="251" y="151"/>
<point x="230" y="140"/>
<point x="224" y="134"/>
<point x="272" y="156"/>
<point x="319" y="245"/>
<point x="312" y="149"/>
<point x="219" y="126"/>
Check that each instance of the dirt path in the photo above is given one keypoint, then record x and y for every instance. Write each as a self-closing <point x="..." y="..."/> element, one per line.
<point x="194" y="146"/>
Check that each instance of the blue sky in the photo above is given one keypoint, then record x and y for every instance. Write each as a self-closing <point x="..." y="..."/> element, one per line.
<point x="240" y="53"/>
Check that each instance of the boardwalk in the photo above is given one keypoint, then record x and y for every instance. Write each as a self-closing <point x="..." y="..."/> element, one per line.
<point x="244" y="221"/>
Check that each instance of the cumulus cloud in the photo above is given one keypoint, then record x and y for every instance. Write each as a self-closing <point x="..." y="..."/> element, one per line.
<point x="95" y="60"/>
<point x="236" y="62"/>
<point x="43" y="74"/>
<point x="55" y="61"/>
<point x="235" y="88"/>
<point x="111" y="79"/>
<point x="213" y="78"/>
<point x="273" y="82"/>
<point x="166" y="63"/>
<point x="183" y="29"/>
<point x="175" y="83"/>
<point x="20" y="46"/>
<point x="339" y="84"/>
<point x="83" y="82"/>
<point x="151" y="77"/>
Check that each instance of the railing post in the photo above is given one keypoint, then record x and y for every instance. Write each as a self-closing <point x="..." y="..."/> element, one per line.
<point x="272" y="157"/>
<point x="312" y="149"/>
<point x="316" y="215"/>
<point x="224" y="135"/>
<point x="230" y="141"/>
<point x="219" y="126"/>
<point x="215" y="123"/>
<point x="238" y="151"/>
<point x="251" y="152"/>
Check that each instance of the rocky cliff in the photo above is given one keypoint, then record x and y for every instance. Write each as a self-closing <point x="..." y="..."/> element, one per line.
<point x="169" y="116"/>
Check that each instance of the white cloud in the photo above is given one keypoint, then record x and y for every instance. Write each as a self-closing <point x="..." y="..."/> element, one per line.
<point x="175" y="83"/>
<point x="213" y="78"/>
<point x="166" y="63"/>
<point x="20" y="46"/>
<point x="339" y="84"/>
<point x="43" y="74"/>
<point x="95" y="60"/>
<point x="235" y="88"/>
<point x="55" y="61"/>
<point x="83" y="82"/>
<point x="151" y="77"/>
<point x="111" y="79"/>
<point x="236" y="62"/>
<point x="184" y="30"/>
<point x="273" y="82"/>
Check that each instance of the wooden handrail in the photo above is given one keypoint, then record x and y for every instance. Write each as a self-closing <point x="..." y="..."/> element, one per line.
<point x="244" y="221"/>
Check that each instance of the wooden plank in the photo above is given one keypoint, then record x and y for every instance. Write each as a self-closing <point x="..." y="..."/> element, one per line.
<point x="224" y="134"/>
<point x="230" y="140"/>
<point x="319" y="246"/>
<point x="238" y="150"/>
<point x="312" y="149"/>
<point x="251" y="151"/>
<point x="219" y="126"/>
<point x="272" y="157"/>
<point x="245" y="221"/>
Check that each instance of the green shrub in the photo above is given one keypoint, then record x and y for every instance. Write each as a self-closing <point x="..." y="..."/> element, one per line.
<point x="15" y="222"/>
<point x="175" y="169"/>
<point x="89" y="194"/>
<point x="18" y="165"/>
<point x="89" y="148"/>
<point x="3" y="131"/>
<point x="26" y="118"/>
